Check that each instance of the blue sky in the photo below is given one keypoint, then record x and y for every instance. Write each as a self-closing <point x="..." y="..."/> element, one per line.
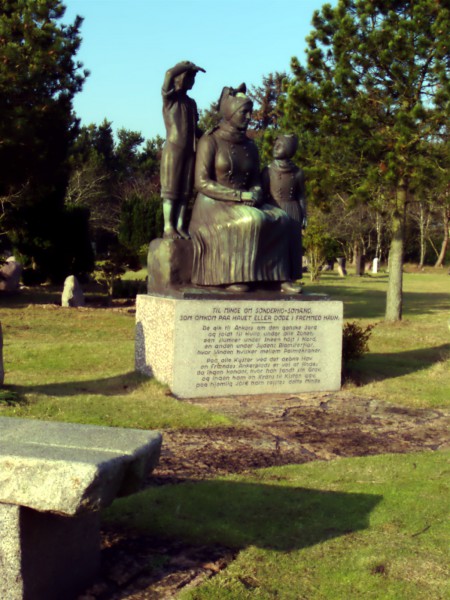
<point x="129" y="44"/>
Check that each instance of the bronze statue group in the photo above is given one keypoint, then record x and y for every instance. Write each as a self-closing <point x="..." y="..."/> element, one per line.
<point x="246" y="226"/>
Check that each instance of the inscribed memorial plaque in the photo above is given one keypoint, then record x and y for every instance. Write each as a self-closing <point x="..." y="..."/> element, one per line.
<point x="232" y="347"/>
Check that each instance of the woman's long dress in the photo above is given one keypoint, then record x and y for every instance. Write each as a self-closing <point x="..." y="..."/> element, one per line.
<point x="234" y="243"/>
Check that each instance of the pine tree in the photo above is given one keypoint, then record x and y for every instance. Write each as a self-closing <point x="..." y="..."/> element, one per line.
<point x="265" y="98"/>
<point x="38" y="80"/>
<point x="373" y="95"/>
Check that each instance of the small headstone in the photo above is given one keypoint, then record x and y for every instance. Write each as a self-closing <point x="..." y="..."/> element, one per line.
<point x="10" y="274"/>
<point x="341" y="266"/>
<point x="72" y="293"/>
<point x="375" y="265"/>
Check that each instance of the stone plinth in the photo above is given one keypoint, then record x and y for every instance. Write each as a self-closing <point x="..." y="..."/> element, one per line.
<point x="169" y="263"/>
<point x="54" y="478"/>
<point x="211" y="347"/>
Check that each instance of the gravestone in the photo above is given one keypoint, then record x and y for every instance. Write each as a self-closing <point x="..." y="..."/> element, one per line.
<point x="72" y="295"/>
<point x="10" y="274"/>
<point x="375" y="265"/>
<point x="341" y="266"/>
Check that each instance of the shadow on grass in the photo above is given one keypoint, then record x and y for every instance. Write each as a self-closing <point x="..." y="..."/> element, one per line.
<point x="238" y="514"/>
<point x="109" y="386"/>
<point x="45" y="295"/>
<point x="22" y="298"/>
<point x="377" y="367"/>
<point x="10" y="397"/>
<point x="366" y="303"/>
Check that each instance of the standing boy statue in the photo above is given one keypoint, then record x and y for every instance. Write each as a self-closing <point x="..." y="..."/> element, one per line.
<point x="178" y="155"/>
<point x="284" y="185"/>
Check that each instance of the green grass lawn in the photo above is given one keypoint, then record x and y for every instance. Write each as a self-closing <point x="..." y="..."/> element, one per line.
<point x="409" y="362"/>
<point x="135" y="275"/>
<point x="78" y="366"/>
<point x="366" y="528"/>
<point x="356" y="528"/>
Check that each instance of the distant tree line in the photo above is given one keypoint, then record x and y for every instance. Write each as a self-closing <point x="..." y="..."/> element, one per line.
<point x="117" y="181"/>
<point x="371" y="109"/>
<point x="68" y="194"/>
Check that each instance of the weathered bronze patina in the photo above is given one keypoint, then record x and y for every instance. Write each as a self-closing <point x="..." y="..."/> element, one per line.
<point x="284" y="186"/>
<point x="238" y="238"/>
<point x="178" y="156"/>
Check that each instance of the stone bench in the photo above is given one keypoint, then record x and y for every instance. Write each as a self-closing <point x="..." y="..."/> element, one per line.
<point x="54" y="479"/>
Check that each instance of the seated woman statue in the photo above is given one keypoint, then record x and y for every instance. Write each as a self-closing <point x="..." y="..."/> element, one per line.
<point x="238" y="239"/>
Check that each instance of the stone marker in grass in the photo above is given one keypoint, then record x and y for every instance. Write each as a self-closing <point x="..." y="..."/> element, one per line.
<point x="72" y="295"/>
<point x="10" y="274"/>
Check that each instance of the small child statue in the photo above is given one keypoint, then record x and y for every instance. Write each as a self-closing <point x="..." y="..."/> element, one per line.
<point x="284" y="186"/>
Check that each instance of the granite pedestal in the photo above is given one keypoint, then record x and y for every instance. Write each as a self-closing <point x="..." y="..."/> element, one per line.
<point x="54" y="479"/>
<point x="169" y="264"/>
<point x="217" y="345"/>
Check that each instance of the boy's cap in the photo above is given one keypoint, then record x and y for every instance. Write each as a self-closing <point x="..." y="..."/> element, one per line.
<point x="190" y="66"/>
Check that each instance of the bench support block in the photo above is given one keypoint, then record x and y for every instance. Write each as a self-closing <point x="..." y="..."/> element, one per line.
<point x="38" y="549"/>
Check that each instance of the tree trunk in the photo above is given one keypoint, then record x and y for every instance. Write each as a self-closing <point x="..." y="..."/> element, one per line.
<point x="443" y="252"/>
<point x="358" y="258"/>
<point x="379" y="234"/>
<point x="394" y="297"/>
<point x="423" y="226"/>
<point x="356" y="252"/>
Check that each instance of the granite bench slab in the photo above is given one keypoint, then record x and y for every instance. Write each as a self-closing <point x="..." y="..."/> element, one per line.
<point x="54" y="479"/>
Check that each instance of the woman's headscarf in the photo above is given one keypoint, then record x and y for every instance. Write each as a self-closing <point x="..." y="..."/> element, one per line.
<point x="231" y="99"/>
